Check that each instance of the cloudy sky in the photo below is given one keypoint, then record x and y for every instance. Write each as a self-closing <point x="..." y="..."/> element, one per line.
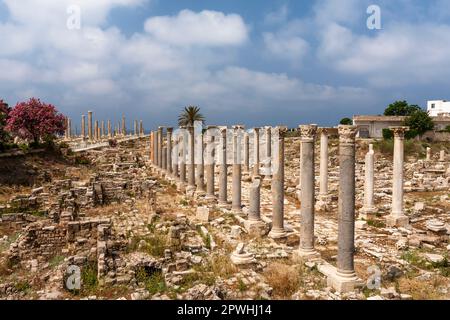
<point x="252" y="62"/>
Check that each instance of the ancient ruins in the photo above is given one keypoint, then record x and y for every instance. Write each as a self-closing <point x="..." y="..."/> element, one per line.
<point x="228" y="212"/>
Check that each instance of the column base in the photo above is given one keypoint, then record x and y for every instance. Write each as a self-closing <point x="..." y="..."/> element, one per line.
<point x="211" y="198"/>
<point x="200" y="193"/>
<point x="366" y="212"/>
<point x="190" y="191"/>
<point x="302" y="255"/>
<point x="237" y="211"/>
<point x="224" y="205"/>
<point x="277" y="233"/>
<point x="397" y="220"/>
<point x="256" y="227"/>
<point x="343" y="283"/>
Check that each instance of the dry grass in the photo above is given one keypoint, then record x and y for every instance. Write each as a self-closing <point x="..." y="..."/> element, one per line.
<point x="423" y="290"/>
<point x="284" y="279"/>
<point x="220" y="266"/>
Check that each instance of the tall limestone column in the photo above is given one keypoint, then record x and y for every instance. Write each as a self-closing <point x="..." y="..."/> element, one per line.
<point x="369" y="206"/>
<point x="155" y="148"/>
<point x="69" y="128"/>
<point x="164" y="157"/>
<point x="323" y="191"/>
<point x="254" y="212"/>
<point x="83" y="127"/>
<point x="268" y="159"/>
<point x="191" y="162"/>
<point x="200" y="163"/>
<point x="124" y="128"/>
<point x="307" y="139"/>
<point x="169" y="167"/>
<point x="428" y="154"/>
<point x="175" y="157"/>
<point x="223" y="171"/>
<point x="110" y="134"/>
<point x="278" y="230"/>
<point x="182" y="154"/>
<point x="236" y="205"/>
<point x="210" y="163"/>
<point x="246" y="152"/>
<point x="160" y="146"/>
<point x="96" y="129"/>
<point x="344" y="279"/>
<point x="256" y="151"/>
<point x="141" y="128"/>
<point x="90" y="133"/>
<point x="102" y="131"/>
<point x="136" y="132"/>
<point x="397" y="216"/>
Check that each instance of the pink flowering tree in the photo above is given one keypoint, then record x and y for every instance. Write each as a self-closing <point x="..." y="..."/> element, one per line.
<point x="4" y="113"/>
<point x="35" y="120"/>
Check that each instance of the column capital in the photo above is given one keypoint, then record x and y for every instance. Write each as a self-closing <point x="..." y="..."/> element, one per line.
<point x="257" y="129"/>
<point x="169" y="130"/>
<point x="347" y="134"/>
<point x="238" y="127"/>
<point x="324" y="131"/>
<point x="223" y="129"/>
<point x="308" y="132"/>
<point x="399" y="132"/>
<point x="281" y="131"/>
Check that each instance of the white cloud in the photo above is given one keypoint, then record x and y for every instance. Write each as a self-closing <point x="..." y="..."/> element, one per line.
<point x="278" y="16"/>
<point x="206" y="28"/>
<point x="400" y="55"/>
<point x="291" y="48"/>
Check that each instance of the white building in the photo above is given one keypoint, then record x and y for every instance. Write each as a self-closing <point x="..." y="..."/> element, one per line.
<point x="438" y="107"/>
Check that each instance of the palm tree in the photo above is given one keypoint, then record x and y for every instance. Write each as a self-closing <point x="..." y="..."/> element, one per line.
<point x="189" y="115"/>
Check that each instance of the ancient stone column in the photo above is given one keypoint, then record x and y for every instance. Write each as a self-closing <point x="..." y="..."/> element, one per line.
<point x="103" y="131"/>
<point x="200" y="166"/>
<point x="428" y="154"/>
<point x="369" y="207"/>
<point x="323" y="190"/>
<point x="256" y="152"/>
<point x="69" y="128"/>
<point x="175" y="157"/>
<point x="307" y="139"/>
<point x="345" y="278"/>
<point x="209" y="164"/>
<point x="124" y="128"/>
<point x="155" y="148"/>
<point x="254" y="212"/>
<point x="160" y="146"/>
<point x="442" y="156"/>
<point x="96" y="129"/>
<point x="164" y="157"/>
<point x="83" y="126"/>
<point x="169" y="150"/>
<point x="191" y="163"/>
<point x="278" y="230"/>
<point x="246" y="152"/>
<point x="397" y="217"/>
<point x="141" y="128"/>
<point x="182" y="149"/>
<point x="236" y="205"/>
<point x="223" y="168"/>
<point x="136" y="132"/>
<point x="268" y="159"/>
<point x="110" y="134"/>
<point x="90" y="133"/>
<point x="99" y="133"/>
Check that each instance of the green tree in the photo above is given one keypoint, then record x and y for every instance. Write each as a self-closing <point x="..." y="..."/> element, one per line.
<point x="189" y="115"/>
<point x="401" y="108"/>
<point x="346" y="121"/>
<point x="418" y="122"/>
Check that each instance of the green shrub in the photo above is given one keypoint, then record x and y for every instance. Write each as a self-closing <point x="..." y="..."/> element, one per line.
<point x="387" y="134"/>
